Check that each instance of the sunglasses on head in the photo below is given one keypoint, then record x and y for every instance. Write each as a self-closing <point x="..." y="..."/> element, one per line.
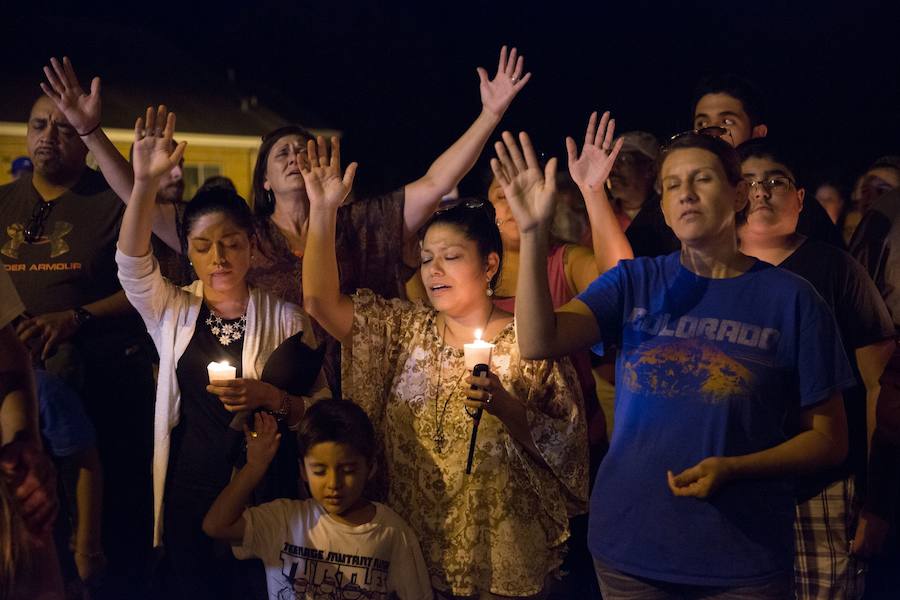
<point x="714" y="131"/>
<point x="452" y="203"/>
<point x="34" y="229"/>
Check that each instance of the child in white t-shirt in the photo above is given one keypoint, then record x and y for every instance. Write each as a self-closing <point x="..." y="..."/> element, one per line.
<point x="335" y="545"/>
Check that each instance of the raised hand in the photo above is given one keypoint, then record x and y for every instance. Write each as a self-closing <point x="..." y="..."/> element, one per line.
<point x="155" y="152"/>
<point x="528" y="189"/>
<point x="262" y="442"/>
<point x="325" y="186"/>
<point x="81" y="110"/>
<point x="592" y="168"/>
<point x="498" y="93"/>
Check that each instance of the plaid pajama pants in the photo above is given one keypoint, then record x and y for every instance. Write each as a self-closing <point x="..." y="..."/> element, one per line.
<point x="823" y="530"/>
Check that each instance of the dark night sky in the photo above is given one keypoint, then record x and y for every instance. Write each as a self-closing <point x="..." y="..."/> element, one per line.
<point x="399" y="78"/>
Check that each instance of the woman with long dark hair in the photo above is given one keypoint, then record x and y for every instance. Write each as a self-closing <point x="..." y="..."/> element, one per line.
<point x="218" y="316"/>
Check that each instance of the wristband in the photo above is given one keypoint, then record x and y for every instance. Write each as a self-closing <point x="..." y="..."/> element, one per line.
<point x="82" y="316"/>
<point x="92" y="130"/>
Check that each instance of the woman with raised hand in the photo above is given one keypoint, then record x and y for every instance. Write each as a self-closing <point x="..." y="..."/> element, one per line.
<point x="371" y="232"/>
<point x="717" y="349"/>
<point x="219" y="316"/>
<point x="499" y="531"/>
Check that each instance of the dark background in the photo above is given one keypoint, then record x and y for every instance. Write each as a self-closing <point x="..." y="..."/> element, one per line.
<point x="399" y="78"/>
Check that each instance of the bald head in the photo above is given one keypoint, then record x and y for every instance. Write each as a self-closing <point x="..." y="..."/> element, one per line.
<point x="53" y="145"/>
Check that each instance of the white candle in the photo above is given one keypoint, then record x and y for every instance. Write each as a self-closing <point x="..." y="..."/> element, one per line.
<point x="220" y="371"/>
<point x="478" y="352"/>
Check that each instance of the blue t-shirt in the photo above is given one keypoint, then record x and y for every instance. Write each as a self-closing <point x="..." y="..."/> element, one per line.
<point x="65" y="426"/>
<point x="707" y="367"/>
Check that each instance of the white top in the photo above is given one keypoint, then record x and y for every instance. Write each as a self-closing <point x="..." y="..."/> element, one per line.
<point x="308" y="553"/>
<point x="170" y="314"/>
<point x="10" y="304"/>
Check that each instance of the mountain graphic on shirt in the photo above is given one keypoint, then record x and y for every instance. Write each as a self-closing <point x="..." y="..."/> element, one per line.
<point x="685" y="367"/>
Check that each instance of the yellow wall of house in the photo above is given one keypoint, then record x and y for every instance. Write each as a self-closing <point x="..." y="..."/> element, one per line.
<point x="234" y="163"/>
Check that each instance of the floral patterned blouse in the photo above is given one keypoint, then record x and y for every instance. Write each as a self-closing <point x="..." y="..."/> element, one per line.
<point x="502" y="528"/>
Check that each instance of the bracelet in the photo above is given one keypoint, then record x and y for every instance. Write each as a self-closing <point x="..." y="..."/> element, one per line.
<point x="95" y="128"/>
<point x="282" y="412"/>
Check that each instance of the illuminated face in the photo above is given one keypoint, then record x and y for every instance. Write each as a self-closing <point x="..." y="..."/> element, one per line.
<point x="831" y="200"/>
<point x="454" y="273"/>
<point x="53" y="145"/>
<point x="506" y="223"/>
<point x="171" y="186"/>
<point x="283" y="165"/>
<point x="875" y="183"/>
<point x="220" y="252"/>
<point x="630" y="180"/>
<point x="775" y="201"/>
<point x="337" y="475"/>
<point x="698" y="201"/>
<point x="728" y="112"/>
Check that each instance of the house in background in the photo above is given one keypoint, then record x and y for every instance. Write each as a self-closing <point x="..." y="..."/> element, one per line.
<point x="221" y="122"/>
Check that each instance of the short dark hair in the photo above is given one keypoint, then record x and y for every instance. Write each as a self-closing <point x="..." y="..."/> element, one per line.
<point x="338" y="421"/>
<point x="886" y="162"/>
<point x="769" y="148"/>
<point x="263" y="203"/>
<point x="739" y="88"/>
<point x="727" y="155"/>
<point x="477" y="219"/>
<point x="217" y="200"/>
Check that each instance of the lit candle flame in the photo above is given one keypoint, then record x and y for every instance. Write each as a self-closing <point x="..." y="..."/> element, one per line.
<point x="477" y="335"/>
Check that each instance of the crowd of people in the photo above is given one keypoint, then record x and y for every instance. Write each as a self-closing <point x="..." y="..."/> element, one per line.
<point x="692" y="388"/>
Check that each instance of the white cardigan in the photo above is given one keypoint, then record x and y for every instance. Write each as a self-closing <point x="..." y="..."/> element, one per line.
<point x="170" y="314"/>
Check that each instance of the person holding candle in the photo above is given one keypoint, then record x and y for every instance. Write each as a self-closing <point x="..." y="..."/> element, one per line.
<point x="370" y="232"/>
<point x="217" y="318"/>
<point x="718" y="352"/>
<point x="500" y="530"/>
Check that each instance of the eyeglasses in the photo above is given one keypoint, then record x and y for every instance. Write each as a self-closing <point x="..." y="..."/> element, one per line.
<point x="34" y="229"/>
<point x="774" y="185"/>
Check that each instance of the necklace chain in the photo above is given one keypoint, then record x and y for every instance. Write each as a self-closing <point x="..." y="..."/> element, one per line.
<point x="440" y="411"/>
<point x="226" y="333"/>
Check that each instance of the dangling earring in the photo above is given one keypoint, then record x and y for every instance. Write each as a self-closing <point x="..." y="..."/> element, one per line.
<point x="270" y="196"/>
<point x="489" y="291"/>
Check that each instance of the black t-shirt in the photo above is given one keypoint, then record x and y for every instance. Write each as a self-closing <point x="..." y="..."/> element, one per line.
<point x="72" y="263"/>
<point x="648" y="233"/>
<point x="204" y="448"/>
<point x="862" y="319"/>
<point x="815" y="224"/>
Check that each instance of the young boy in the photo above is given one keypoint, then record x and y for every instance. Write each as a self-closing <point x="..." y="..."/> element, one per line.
<point x="335" y="545"/>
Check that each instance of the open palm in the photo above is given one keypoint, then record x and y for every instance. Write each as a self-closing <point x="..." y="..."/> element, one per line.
<point x="592" y="168"/>
<point x="498" y="93"/>
<point x="81" y="110"/>
<point x="529" y="189"/>
<point x="155" y="152"/>
<point x="325" y="185"/>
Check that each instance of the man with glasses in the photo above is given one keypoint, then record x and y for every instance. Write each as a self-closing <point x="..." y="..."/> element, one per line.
<point x="825" y="566"/>
<point x="58" y="231"/>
